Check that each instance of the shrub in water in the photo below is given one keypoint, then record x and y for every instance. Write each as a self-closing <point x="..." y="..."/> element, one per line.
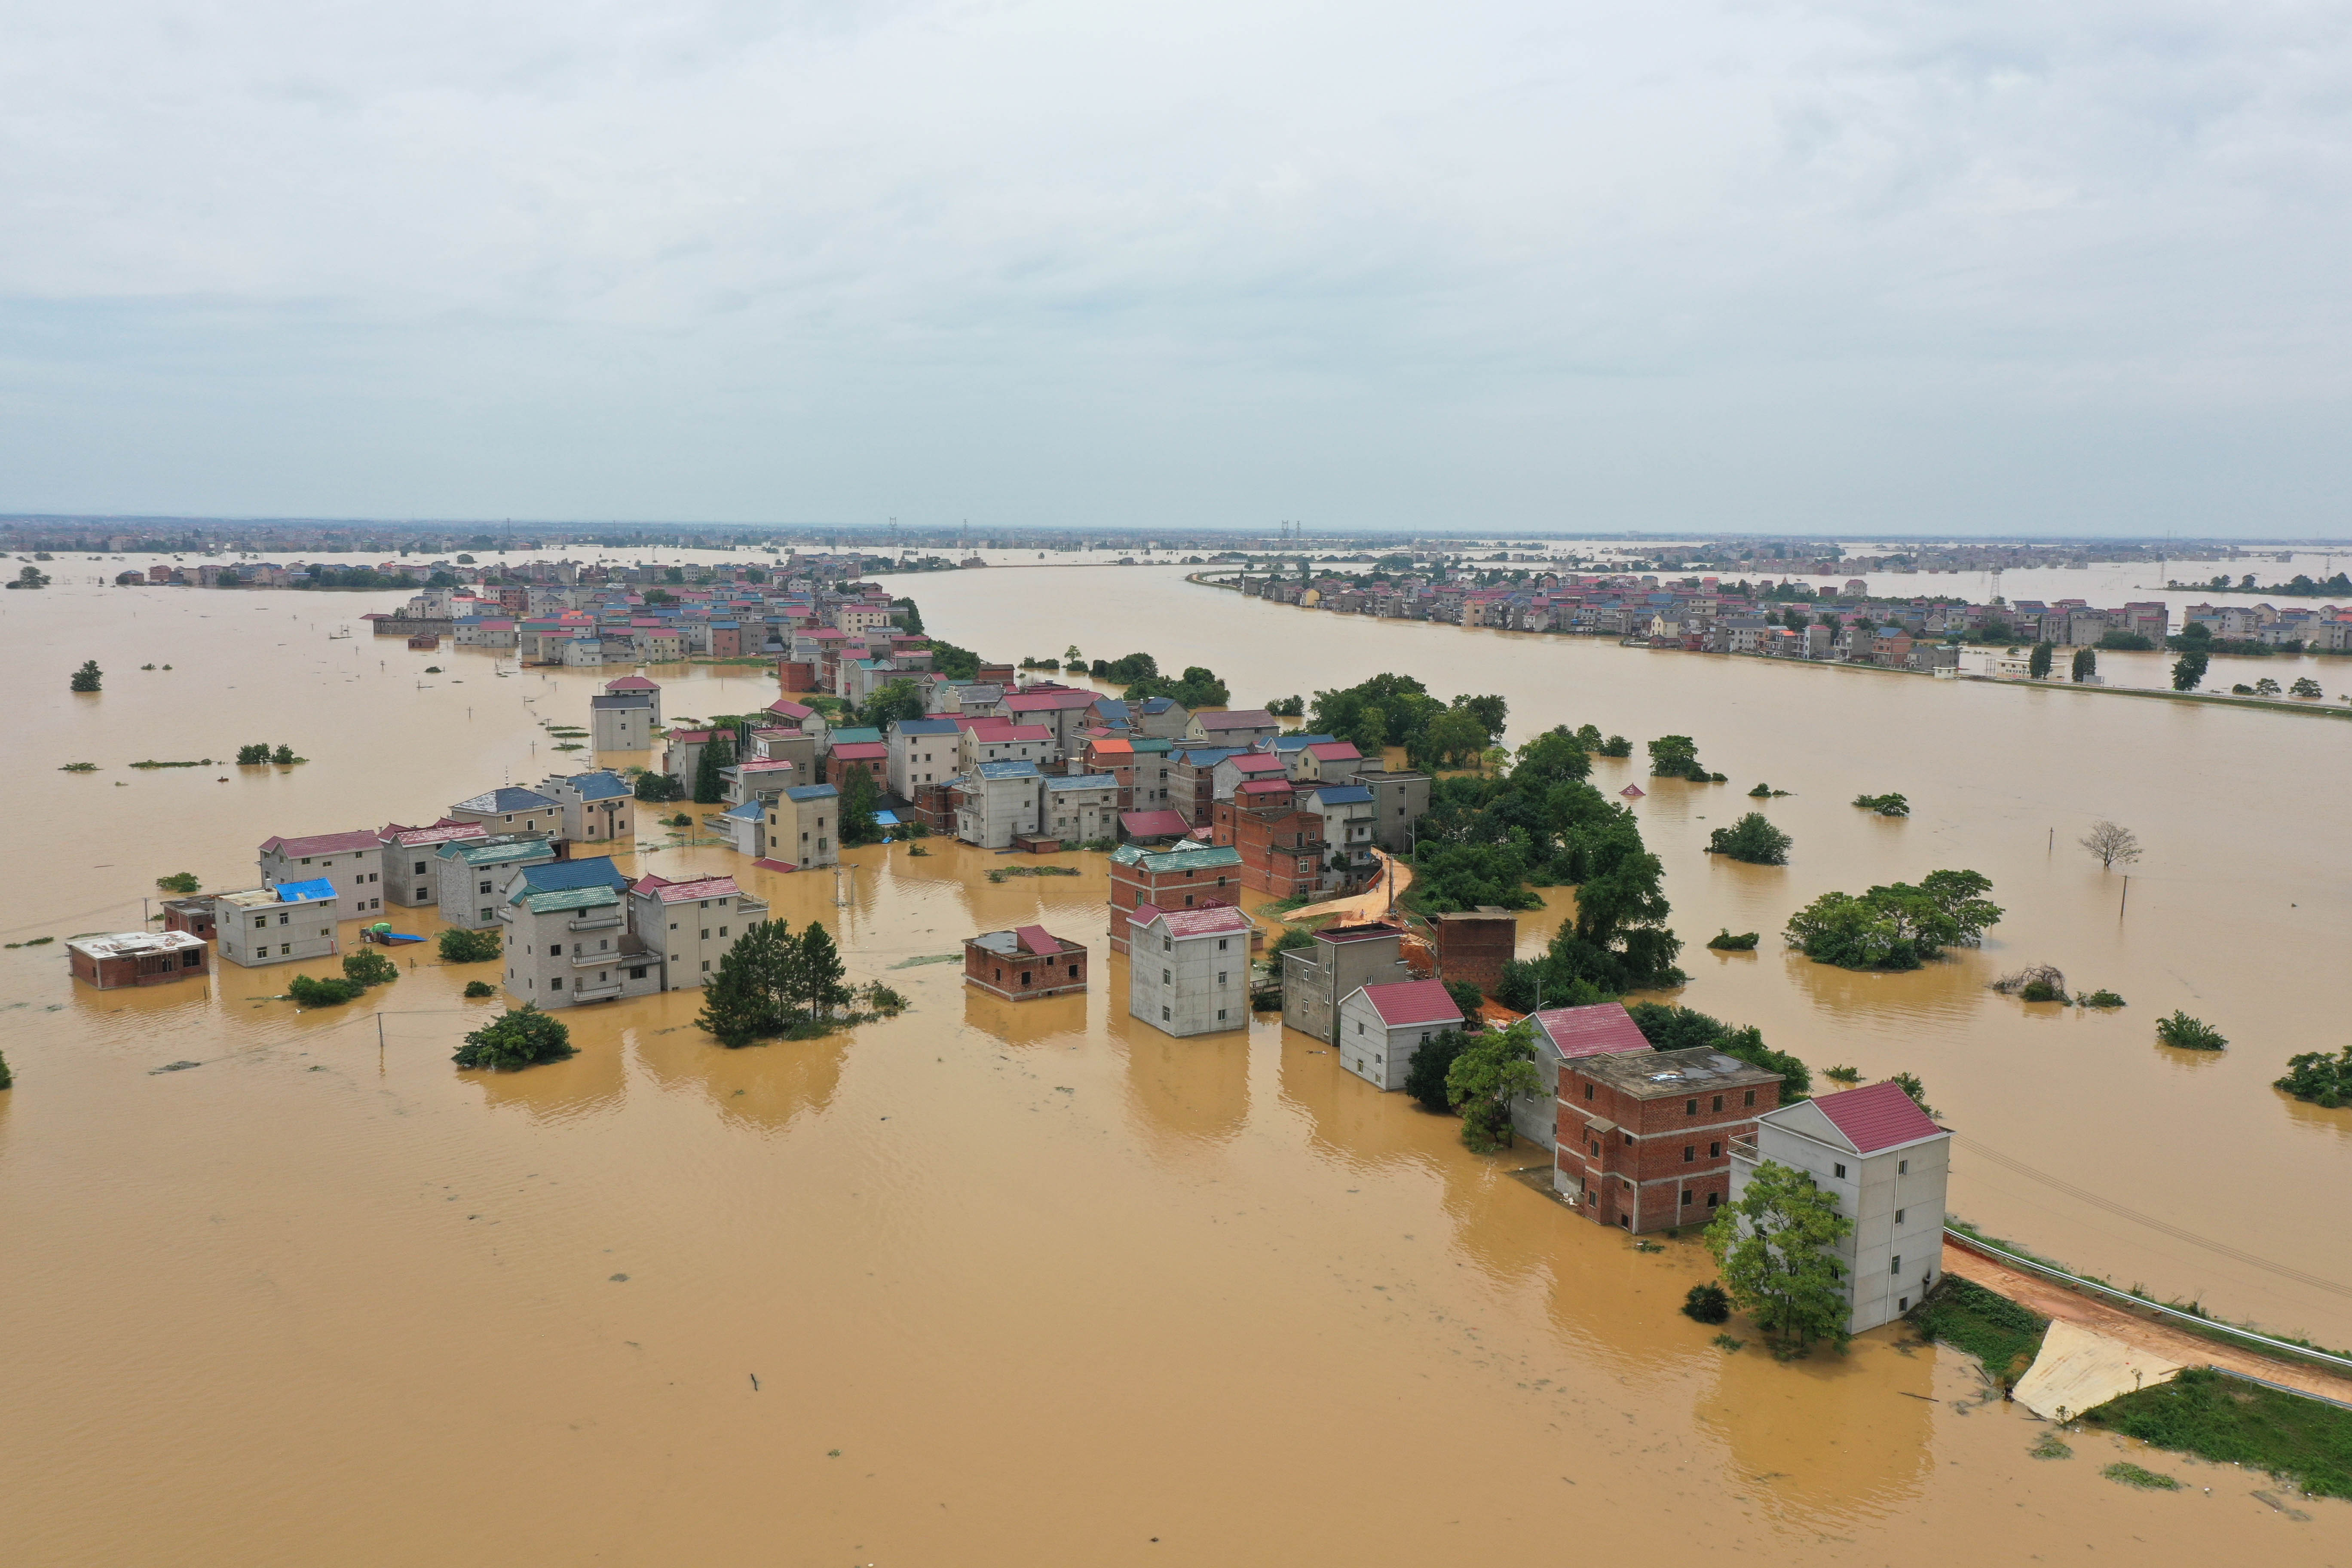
<point x="1707" y="1304"/>
<point x="2184" y="1033"/>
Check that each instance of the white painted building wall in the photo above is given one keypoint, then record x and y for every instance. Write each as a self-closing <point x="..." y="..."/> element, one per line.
<point x="1188" y="985"/>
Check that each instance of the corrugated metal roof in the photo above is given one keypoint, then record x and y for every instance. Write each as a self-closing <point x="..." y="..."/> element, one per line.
<point x="321" y="844"/>
<point x="1604" y="1028"/>
<point x="1209" y="922"/>
<point x="568" y="898"/>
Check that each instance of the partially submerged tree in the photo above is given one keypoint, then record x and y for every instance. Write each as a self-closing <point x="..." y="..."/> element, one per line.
<point x="519" y="1037"/>
<point x="709" y="789"/>
<point x="2109" y="842"/>
<point x="1897" y="926"/>
<point x="178" y="883"/>
<point x="369" y="967"/>
<point x="1493" y="1071"/>
<point x="1425" y="1079"/>
<point x="461" y="946"/>
<point x="87" y="678"/>
<point x="2183" y="1033"/>
<point x="1773" y="1245"/>
<point x="2189" y="669"/>
<point x="1752" y="839"/>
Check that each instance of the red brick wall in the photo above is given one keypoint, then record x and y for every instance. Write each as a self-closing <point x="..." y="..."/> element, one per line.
<point x="1002" y="974"/>
<point x="1131" y="884"/>
<point x="1274" y="845"/>
<point x="796" y="676"/>
<point x="1662" y="1129"/>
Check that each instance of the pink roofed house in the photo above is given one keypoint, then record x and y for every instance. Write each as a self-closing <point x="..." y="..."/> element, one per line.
<point x="1023" y="963"/>
<point x="1381" y="1027"/>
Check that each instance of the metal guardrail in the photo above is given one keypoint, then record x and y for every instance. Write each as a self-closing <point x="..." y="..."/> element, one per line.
<point x="2284" y="1348"/>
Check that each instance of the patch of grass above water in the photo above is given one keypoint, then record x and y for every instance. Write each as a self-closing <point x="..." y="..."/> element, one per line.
<point x="2131" y="1475"/>
<point x="2230" y="1421"/>
<point x="1995" y="1329"/>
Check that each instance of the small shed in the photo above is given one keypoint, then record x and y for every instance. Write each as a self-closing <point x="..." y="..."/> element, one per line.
<point x="1023" y="963"/>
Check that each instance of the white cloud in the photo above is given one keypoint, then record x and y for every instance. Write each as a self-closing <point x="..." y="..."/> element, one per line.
<point x="1863" y="266"/>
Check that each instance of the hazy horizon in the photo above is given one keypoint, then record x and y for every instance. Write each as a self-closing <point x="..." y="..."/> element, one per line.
<point x="1825" y="270"/>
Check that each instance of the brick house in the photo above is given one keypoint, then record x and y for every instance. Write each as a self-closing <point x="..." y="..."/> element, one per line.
<point x="870" y="757"/>
<point x="1324" y="762"/>
<point x="1382" y="1026"/>
<point x="1189" y="971"/>
<point x="353" y="862"/>
<point x="1475" y="944"/>
<point x="1886" y="1162"/>
<point x="193" y="915"/>
<point x="1644" y="1137"/>
<point x="136" y="958"/>
<point x="1026" y="962"/>
<point x="1281" y="846"/>
<point x="1239" y="768"/>
<point x="682" y="754"/>
<point x="1184" y="877"/>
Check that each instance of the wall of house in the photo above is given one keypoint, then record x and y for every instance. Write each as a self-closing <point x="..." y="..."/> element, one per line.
<point x="1189" y="985"/>
<point x="1373" y="1051"/>
<point x="357" y="874"/>
<point x="469" y="894"/>
<point x="1662" y="1166"/>
<point x="1875" y="1188"/>
<point x="565" y="957"/>
<point x="692" y="935"/>
<point x="274" y="933"/>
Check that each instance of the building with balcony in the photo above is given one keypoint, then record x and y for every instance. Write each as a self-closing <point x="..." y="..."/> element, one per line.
<point x="691" y="926"/>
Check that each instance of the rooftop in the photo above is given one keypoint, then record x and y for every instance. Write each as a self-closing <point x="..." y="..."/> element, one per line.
<point x="135" y="943"/>
<point x="321" y="844"/>
<point x="811" y="792"/>
<point x="631" y="683"/>
<point x="1188" y="859"/>
<point x="1401" y="1002"/>
<point x="499" y="851"/>
<point x="440" y="833"/>
<point x="561" y="876"/>
<point x="1020" y="768"/>
<point x="923" y="726"/>
<point x="1035" y="940"/>
<point x="507" y="799"/>
<point x="1880" y="1116"/>
<point x="1660" y="1075"/>
<point x="318" y="891"/>
<point x="1210" y="921"/>
<point x="1081" y="780"/>
<point x="1605" y="1028"/>
<point x="679" y="892"/>
<point x="1153" y="824"/>
<point x="1237" y="719"/>
<point x="561" y="899"/>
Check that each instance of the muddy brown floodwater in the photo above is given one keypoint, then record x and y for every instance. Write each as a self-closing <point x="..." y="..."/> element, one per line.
<point x="1037" y="1285"/>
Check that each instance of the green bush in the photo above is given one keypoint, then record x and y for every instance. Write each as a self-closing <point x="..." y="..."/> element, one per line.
<point x="480" y="988"/>
<point x="1425" y="1079"/>
<point x="1885" y="805"/>
<point x="1752" y="839"/>
<point x="326" y="992"/>
<point x="1724" y="942"/>
<point x="368" y="967"/>
<point x="1707" y="1304"/>
<point x="519" y="1037"/>
<point x="2184" y="1033"/>
<point x="178" y="883"/>
<point x="2102" y="999"/>
<point x="469" y="946"/>
<point x="2132" y="1475"/>
<point x="7" y="1079"/>
<point x="2320" y="1077"/>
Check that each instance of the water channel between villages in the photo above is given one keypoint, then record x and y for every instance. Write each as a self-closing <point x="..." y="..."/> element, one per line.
<point x="1038" y="1284"/>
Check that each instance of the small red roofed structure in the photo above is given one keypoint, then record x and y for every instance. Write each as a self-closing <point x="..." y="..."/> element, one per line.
<point x="1023" y="963"/>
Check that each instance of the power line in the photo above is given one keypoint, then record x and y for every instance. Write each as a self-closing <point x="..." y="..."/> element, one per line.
<point x="2175" y="1232"/>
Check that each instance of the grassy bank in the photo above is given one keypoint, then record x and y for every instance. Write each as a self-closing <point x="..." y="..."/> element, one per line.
<point x="1990" y="1326"/>
<point x="2230" y="1421"/>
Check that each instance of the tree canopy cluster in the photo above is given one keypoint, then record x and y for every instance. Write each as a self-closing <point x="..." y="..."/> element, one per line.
<point x="1752" y="839"/>
<point x="2319" y="1077"/>
<point x="1677" y="757"/>
<point x="459" y="945"/>
<point x="1397" y="710"/>
<point x="1680" y="1028"/>
<point x="771" y="981"/>
<point x="1772" y="1244"/>
<point x="521" y="1037"/>
<point x="1897" y="926"/>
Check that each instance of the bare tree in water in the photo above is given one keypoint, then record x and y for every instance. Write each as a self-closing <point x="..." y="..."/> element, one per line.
<point x="2108" y="843"/>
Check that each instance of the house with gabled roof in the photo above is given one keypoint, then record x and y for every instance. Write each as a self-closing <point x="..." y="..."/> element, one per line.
<point x="511" y="809"/>
<point x="1188" y="970"/>
<point x="804" y="826"/>
<point x="408" y="854"/>
<point x="598" y="807"/>
<point x="1181" y="877"/>
<point x="469" y="874"/>
<point x="1888" y="1164"/>
<point x="625" y="715"/>
<point x="996" y="803"/>
<point x="1001" y="741"/>
<point x="1023" y="963"/>
<point x="691" y="925"/>
<point x="1382" y="1026"/>
<point x="1568" y="1034"/>
<point x="353" y="862"/>
<point x="1232" y="727"/>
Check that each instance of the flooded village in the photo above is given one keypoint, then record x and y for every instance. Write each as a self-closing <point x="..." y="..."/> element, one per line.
<point x="1076" y="1196"/>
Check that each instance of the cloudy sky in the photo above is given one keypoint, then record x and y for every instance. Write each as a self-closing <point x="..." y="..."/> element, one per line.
<point x="1998" y="266"/>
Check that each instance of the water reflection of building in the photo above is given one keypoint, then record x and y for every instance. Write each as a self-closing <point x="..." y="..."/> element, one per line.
<point x="765" y="1086"/>
<point x="589" y="1083"/>
<point x="1834" y="1440"/>
<point x="1182" y="1093"/>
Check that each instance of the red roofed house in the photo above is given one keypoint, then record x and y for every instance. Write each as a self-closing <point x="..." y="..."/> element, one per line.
<point x="1380" y="1028"/>
<point x="682" y="754"/>
<point x="690" y="926"/>
<point x="408" y="854"/>
<point x="1064" y="709"/>
<point x="1564" y="1034"/>
<point x="1644" y="1137"/>
<point x="1241" y="768"/>
<point x="353" y="862"/>
<point x="1001" y="741"/>
<point x="873" y="756"/>
<point x="1188" y="970"/>
<point x="1326" y="762"/>
<point x="1025" y="963"/>
<point x="1886" y="1162"/>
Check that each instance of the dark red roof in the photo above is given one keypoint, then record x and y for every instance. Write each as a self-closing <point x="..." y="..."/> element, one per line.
<point x="1153" y="824"/>
<point x="1039" y="941"/>
<point x="1405" y="1001"/>
<point x="1603" y="1029"/>
<point x="1878" y="1117"/>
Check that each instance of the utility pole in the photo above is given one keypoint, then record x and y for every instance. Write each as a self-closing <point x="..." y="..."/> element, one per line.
<point x="2126" y="897"/>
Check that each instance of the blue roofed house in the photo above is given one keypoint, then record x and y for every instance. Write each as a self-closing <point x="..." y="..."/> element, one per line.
<point x="745" y="826"/>
<point x="598" y="807"/>
<point x="1079" y="808"/>
<point x="510" y="809"/>
<point x="1350" y="823"/>
<point x="280" y="924"/>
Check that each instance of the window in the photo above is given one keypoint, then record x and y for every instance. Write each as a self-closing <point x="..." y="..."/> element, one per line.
<point x="1841" y="1171"/>
<point x="637" y="972"/>
<point x="1751" y="1097"/>
<point x="420" y="867"/>
<point x="722" y="930"/>
<point x="1588" y="1091"/>
<point x="487" y="916"/>
<point x="1894" y="1265"/>
<point x="1074" y="971"/>
<point x="1901" y="1167"/>
<point x="556" y="983"/>
<point x="1163" y="1015"/>
<point x="1629" y="1139"/>
<point x="1712" y="1198"/>
<point x="706" y="966"/>
<point x="1167" y="944"/>
<point x="706" y="934"/>
<point x="285" y="952"/>
<point x="1221" y="945"/>
<point x="1690" y="1153"/>
<point x="260" y="920"/>
<point x="1715" y="1151"/>
<point x="482" y="888"/>
<point x="1686" y="1198"/>
<point x="1898" y="1216"/>
<point x="1690" y="1108"/>
<point x="1220" y="1014"/>
<point x="1718" y="1102"/>
<point x="1359" y="1026"/>
<point x="1221" y="977"/>
<point x="1903" y="1303"/>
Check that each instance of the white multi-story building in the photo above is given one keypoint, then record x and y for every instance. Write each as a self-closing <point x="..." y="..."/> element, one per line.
<point x="279" y="924"/>
<point x="624" y="716"/>
<point x="1381" y="1027"/>
<point x="923" y="752"/>
<point x="471" y="874"/>
<point x="996" y="803"/>
<point x="1887" y="1164"/>
<point x="353" y="862"/>
<point x="690" y="926"/>
<point x="1188" y="970"/>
